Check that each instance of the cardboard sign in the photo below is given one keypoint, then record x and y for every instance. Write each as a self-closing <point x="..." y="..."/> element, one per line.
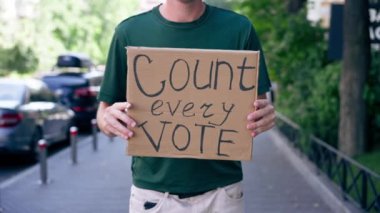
<point x="191" y="103"/>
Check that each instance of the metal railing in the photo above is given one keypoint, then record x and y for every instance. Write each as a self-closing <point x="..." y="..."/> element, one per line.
<point x="357" y="183"/>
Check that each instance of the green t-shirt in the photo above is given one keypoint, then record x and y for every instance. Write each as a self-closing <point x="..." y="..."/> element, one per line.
<point x="215" y="29"/>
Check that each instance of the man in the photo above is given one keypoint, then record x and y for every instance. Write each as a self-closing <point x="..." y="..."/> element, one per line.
<point x="181" y="185"/>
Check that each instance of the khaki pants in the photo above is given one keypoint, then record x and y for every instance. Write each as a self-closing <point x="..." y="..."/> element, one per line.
<point x="227" y="199"/>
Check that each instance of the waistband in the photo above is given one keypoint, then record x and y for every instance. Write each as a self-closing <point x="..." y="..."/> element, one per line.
<point x="188" y="195"/>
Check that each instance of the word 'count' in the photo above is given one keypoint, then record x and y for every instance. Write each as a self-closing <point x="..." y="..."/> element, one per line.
<point x="182" y="67"/>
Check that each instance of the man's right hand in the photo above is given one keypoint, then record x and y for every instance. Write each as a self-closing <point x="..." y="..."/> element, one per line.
<point x="114" y="121"/>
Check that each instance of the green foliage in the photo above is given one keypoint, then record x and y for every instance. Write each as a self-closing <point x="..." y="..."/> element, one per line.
<point x="87" y="26"/>
<point x="227" y="4"/>
<point x="18" y="58"/>
<point x="372" y="95"/>
<point x="371" y="160"/>
<point x="67" y="26"/>
<point x="295" y="52"/>
<point x="323" y="117"/>
<point x="308" y="84"/>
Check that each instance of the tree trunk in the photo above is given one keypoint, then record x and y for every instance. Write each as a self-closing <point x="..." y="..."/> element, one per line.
<point x="356" y="65"/>
<point x="295" y="5"/>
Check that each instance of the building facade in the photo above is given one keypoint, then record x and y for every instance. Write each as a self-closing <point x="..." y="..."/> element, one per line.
<point x="320" y="10"/>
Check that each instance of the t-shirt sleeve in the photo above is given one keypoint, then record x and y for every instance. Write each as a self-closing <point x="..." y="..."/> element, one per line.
<point x="113" y="88"/>
<point x="253" y="43"/>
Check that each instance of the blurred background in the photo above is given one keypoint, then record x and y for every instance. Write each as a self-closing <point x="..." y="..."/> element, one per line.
<point x="34" y="32"/>
<point x="302" y="40"/>
<point x="323" y="58"/>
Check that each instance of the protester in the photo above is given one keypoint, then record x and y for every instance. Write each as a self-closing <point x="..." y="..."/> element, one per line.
<point x="181" y="185"/>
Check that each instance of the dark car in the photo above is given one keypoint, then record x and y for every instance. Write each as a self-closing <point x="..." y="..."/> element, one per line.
<point x="28" y="113"/>
<point x="76" y="81"/>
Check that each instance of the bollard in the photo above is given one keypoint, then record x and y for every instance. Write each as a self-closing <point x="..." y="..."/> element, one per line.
<point x="73" y="144"/>
<point x="94" y="135"/>
<point x="42" y="147"/>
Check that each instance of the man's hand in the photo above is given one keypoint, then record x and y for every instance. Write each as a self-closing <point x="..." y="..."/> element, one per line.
<point x="263" y="118"/>
<point x="114" y="121"/>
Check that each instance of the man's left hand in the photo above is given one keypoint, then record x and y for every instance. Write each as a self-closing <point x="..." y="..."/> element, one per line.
<point x="262" y="119"/>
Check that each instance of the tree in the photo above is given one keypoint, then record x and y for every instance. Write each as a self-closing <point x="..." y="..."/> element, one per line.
<point x="92" y="32"/>
<point x="307" y="83"/>
<point x="356" y="65"/>
<point x="56" y="27"/>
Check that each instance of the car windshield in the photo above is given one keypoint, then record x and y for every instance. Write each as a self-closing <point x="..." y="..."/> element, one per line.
<point x="11" y="92"/>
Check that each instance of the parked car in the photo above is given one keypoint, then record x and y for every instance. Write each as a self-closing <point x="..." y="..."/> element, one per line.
<point x="76" y="81"/>
<point x="28" y="113"/>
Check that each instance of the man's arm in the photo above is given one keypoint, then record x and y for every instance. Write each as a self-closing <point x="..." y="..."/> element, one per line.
<point x="263" y="118"/>
<point x="114" y="121"/>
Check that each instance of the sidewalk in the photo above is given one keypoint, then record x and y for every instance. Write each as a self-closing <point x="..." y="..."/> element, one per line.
<point x="101" y="180"/>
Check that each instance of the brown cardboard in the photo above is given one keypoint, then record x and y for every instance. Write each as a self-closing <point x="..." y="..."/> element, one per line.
<point x="172" y="112"/>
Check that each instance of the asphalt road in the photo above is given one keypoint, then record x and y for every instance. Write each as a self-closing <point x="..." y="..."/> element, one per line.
<point x="11" y="165"/>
